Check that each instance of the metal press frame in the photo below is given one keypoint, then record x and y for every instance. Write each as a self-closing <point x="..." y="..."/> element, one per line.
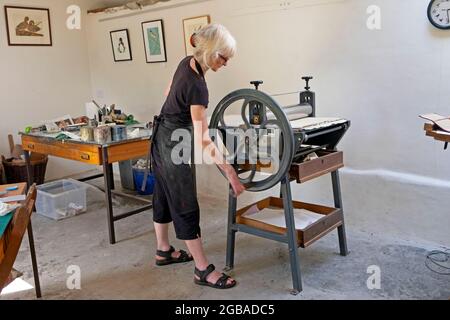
<point x="291" y="234"/>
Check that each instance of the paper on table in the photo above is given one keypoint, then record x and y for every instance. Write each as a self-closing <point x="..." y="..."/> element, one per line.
<point x="7" y="208"/>
<point x="72" y="135"/>
<point x="303" y="218"/>
<point x="19" y="197"/>
<point x="440" y="121"/>
<point x="432" y="117"/>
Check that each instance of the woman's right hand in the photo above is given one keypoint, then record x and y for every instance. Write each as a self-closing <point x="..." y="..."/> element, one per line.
<point x="237" y="186"/>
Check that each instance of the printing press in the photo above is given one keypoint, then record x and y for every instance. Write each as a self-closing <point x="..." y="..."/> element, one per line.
<point x="269" y="144"/>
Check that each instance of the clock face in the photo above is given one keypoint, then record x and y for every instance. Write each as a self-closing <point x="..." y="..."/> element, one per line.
<point x="439" y="13"/>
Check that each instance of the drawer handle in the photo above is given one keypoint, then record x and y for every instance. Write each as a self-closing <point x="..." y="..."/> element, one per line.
<point x="85" y="157"/>
<point x="31" y="146"/>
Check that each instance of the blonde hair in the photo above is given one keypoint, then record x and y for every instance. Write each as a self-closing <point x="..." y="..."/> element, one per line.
<point x="212" y="40"/>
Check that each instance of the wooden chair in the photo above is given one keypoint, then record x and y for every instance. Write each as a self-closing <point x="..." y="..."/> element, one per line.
<point x="19" y="224"/>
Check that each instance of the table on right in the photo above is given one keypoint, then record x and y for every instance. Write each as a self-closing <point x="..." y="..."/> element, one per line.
<point x="440" y="135"/>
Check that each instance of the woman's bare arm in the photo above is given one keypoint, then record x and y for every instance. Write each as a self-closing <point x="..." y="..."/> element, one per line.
<point x="198" y="114"/>
<point x="201" y="136"/>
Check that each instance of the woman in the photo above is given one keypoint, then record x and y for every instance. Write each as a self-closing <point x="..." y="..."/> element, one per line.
<point x="174" y="196"/>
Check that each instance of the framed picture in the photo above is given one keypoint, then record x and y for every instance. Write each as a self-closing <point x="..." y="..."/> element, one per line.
<point x="155" y="46"/>
<point x="121" y="45"/>
<point x="190" y="26"/>
<point x="28" y="26"/>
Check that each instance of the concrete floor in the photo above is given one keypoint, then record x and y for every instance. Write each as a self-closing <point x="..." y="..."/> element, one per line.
<point x="126" y="270"/>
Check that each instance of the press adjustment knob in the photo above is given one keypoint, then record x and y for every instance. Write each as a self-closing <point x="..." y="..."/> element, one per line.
<point x="307" y="79"/>
<point x="256" y="83"/>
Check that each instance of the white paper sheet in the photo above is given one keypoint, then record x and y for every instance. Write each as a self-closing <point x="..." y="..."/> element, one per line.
<point x="303" y="218"/>
<point x="7" y="208"/>
<point x="17" y="198"/>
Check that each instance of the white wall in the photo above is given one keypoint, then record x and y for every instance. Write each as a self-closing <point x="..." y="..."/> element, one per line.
<point x="39" y="83"/>
<point x="380" y="80"/>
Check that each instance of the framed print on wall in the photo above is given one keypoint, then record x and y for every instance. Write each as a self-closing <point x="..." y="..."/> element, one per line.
<point x="28" y="26"/>
<point x="154" y="42"/>
<point x="121" y="45"/>
<point x="190" y="26"/>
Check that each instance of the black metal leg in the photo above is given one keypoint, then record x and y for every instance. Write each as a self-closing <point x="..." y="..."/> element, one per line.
<point x="338" y="204"/>
<point x="108" y="184"/>
<point x="111" y="174"/>
<point x="30" y="180"/>
<point x="231" y="234"/>
<point x="37" y="284"/>
<point x="291" y="235"/>
<point x="30" y="177"/>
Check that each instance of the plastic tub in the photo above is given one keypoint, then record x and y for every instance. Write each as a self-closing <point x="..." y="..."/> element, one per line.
<point x="138" y="175"/>
<point x="61" y="199"/>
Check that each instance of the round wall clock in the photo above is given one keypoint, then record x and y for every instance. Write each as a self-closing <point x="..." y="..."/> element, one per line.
<point x="439" y="13"/>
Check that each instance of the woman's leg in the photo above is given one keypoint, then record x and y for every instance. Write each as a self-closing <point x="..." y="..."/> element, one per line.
<point x="162" y="236"/>
<point x="201" y="262"/>
<point x="162" y="240"/>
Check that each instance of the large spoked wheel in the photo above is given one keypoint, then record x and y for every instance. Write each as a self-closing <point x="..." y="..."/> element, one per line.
<point x="278" y="123"/>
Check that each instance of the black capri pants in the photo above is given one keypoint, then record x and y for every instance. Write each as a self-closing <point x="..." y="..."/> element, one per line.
<point x="174" y="195"/>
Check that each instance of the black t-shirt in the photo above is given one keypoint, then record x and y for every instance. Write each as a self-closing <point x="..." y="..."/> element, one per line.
<point x="188" y="88"/>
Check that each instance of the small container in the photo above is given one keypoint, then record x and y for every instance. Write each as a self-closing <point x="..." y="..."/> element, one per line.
<point x="118" y="133"/>
<point x="87" y="134"/>
<point x="61" y="199"/>
<point x="102" y="134"/>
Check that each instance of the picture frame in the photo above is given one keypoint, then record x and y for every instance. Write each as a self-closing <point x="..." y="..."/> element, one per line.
<point x="59" y="123"/>
<point x="120" y="43"/>
<point x="190" y="26"/>
<point x="154" y="41"/>
<point x="28" y="26"/>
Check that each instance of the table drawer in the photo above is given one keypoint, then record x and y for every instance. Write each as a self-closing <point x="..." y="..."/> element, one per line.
<point x="84" y="156"/>
<point x="326" y="219"/>
<point x="83" y="153"/>
<point x="327" y="161"/>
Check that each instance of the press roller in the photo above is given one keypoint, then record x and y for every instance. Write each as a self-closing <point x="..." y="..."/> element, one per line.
<point x="300" y="131"/>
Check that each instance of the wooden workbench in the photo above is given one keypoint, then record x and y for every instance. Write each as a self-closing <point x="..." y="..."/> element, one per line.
<point x="96" y="154"/>
<point x="4" y="238"/>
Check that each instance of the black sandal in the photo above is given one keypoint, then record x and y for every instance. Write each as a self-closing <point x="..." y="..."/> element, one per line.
<point x="168" y="259"/>
<point x="221" y="283"/>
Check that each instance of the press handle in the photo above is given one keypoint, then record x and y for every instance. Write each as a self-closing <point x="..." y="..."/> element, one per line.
<point x="307" y="79"/>
<point x="256" y="83"/>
